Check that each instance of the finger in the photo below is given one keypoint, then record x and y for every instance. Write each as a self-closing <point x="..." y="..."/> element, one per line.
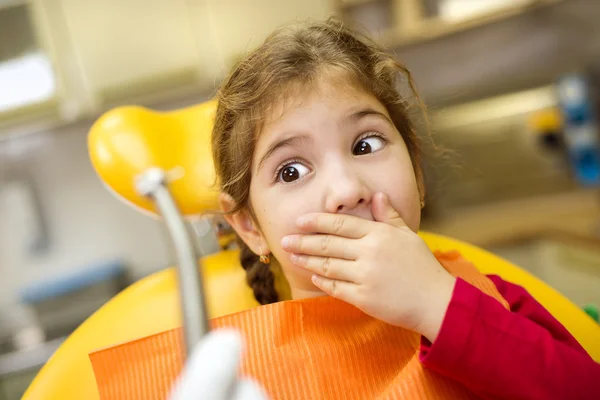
<point x="211" y="370"/>
<point x="332" y="268"/>
<point x="320" y="245"/>
<point x="344" y="291"/>
<point x="382" y="211"/>
<point x="335" y="224"/>
<point x="248" y="390"/>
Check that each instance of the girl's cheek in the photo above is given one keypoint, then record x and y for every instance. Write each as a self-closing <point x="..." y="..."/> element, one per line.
<point x="279" y="216"/>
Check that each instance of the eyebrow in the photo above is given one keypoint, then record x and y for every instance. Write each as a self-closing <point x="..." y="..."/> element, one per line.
<point x="358" y="115"/>
<point x="292" y="141"/>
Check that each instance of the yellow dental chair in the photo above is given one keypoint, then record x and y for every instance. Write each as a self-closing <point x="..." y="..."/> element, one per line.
<point x="126" y="141"/>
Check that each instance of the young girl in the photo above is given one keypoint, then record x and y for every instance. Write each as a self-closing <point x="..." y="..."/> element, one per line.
<point x="319" y="166"/>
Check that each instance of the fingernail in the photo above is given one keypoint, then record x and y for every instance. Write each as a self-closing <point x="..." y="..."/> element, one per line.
<point x="302" y="220"/>
<point x="285" y="242"/>
<point x="315" y="279"/>
<point x="294" y="258"/>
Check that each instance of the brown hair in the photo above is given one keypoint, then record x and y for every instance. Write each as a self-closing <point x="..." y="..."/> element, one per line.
<point x="297" y="55"/>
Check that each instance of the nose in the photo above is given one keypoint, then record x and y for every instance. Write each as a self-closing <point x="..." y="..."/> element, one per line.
<point x="346" y="191"/>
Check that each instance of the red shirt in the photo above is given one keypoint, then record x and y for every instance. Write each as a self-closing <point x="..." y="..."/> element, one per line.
<point x="521" y="353"/>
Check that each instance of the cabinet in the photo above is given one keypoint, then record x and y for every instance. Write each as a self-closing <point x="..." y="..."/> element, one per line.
<point x="240" y="26"/>
<point x="397" y="23"/>
<point x="127" y="48"/>
<point x="105" y="53"/>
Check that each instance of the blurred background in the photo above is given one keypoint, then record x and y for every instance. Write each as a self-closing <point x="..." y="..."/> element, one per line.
<point x="511" y="85"/>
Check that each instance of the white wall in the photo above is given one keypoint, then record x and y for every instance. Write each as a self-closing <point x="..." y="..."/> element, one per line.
<point x="86" y="223"/>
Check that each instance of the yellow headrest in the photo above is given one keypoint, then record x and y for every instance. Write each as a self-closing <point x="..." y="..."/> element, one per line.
<point x="126" y="141"/>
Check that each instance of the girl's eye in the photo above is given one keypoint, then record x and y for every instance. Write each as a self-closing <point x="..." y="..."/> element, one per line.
<point x="292" y="172"/>
<point x="367" y="145"/>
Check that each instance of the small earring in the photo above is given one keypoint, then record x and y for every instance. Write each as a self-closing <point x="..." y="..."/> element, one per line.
<point x="264" y="258"/>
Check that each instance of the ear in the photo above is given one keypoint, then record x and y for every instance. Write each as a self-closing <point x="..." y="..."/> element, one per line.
<point x="244" y="225"/>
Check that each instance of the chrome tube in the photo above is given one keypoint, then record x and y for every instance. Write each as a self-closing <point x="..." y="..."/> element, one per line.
<point x="153" y="184"/>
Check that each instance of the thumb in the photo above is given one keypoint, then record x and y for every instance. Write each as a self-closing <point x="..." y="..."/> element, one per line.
<point x="384" y="212"/>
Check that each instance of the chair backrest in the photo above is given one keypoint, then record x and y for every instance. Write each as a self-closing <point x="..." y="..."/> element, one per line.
<point x="151" y="305"/>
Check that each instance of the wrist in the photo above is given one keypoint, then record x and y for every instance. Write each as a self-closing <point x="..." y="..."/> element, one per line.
<point x="436" y="307"/>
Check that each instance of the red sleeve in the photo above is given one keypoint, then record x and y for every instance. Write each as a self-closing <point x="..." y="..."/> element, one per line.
<point x="521" y="302"/>
<point x="507" y="354"/>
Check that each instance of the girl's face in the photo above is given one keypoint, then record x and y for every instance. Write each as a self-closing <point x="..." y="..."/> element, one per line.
<point x="328" y="151"/>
